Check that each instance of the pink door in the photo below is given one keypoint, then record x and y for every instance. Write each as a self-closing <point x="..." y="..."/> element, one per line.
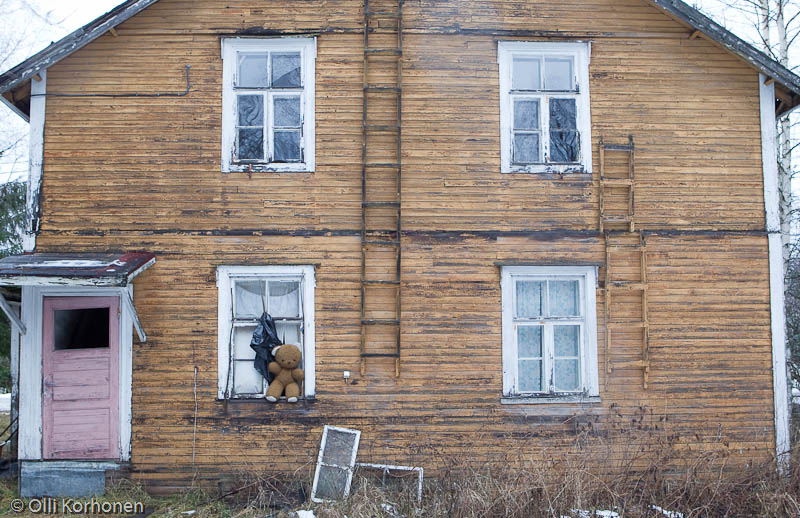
<point x="80" y="369"/>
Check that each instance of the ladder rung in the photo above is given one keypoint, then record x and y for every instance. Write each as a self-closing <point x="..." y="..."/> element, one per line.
<point x="617" y="219"/>
<point x="384" y="52"/>
<point x="380" y="204"/>
<point x="382" y="89"/>
<point x="386" y="243"/>
<point x="622" y="325"/>
<point x="382" y="127"/>
<point x="380" y="355"/>
<point x="617" y="147"/>
<point x="380" y="322"/>
<point x="627" y="286"/>
<point x="383" y="14"/>
<point x="617" y="181"/>
<point x="394" y="283"/>
<point x="631" y="363"/>
<point x="626" y="247"/>
<point x="382" y="164"/>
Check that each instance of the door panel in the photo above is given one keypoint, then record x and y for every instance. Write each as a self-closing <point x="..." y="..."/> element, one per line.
<point x="80" y="366"/>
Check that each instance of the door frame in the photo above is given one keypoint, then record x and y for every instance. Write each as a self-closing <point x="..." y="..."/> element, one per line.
<point x="30" y="372"/>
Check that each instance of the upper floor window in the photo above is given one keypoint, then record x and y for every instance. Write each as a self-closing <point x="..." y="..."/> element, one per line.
<point x="544" y="107"/>
<point x="268" y="104"/>
<point x="247" y="292"/>
<point x="549" y="332"/>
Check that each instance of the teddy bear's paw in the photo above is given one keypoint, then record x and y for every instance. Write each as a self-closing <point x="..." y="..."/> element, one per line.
<point x="272" y="399"/>
<point x="292" y="400"/>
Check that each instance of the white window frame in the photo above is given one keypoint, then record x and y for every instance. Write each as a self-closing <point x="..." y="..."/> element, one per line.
<point x="225" y="276"/>
<point x="307" y="47"/>
<point x="580" y="52"/>
<point x="587" y="277"/>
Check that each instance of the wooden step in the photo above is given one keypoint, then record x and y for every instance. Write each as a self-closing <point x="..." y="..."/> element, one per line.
<point x="617" y="147"/>
<point x="384" y="52"/>
<point x="624" y="325"/>
<point x="382" y="127"/>
<point x="382" y="243"/>
<point x="627" y="286"/>
<point x="621" y="182"/>
<point x="380" y="204"/>
<point x="394" y="89"/>
<point x="383" y="14"/>
<point x="381" y="322"/>
<point x="380" y="355"/>
<point x="630" y="364"/>
<point x="380" y="283"/>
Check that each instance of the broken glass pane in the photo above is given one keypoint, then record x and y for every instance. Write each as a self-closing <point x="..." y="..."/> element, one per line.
<point x="246" y="379"/>
<point x="80" y="328"/>
<point x="529" y="373"/>
<point x="529" y="341"/>
<point x="563" y="133"/>
<point x="289" y="333"/>
<point x="564" y="299"/>
<point x="251" y="144"/>
<point x="284" y="299"/>
<point x="286" y="70"/>
<point x="287" y="111"/>
<point x="567" y="340"/>
<point x="563" y="114"/>
<point x="248" y="302"/>
<point x="251" y="110"/>
<point x="331" y="483"/>
<point x="526" y="74"/>
<point x="526" y="148"/>
<point x="241" y="343"/>
<point x="567" y="375"/>
<point x="530" y="299"/>
<point x="526" y="114"/>
<point x="252" y="71"/>
<point x="558" y="74"/>
<point x="287" y="146"/>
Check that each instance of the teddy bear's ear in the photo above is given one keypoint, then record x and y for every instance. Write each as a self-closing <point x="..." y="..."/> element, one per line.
<point x="275" y="350"/>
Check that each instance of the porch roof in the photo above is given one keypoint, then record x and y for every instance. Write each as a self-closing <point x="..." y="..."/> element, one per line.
<point x="74" y="269"/>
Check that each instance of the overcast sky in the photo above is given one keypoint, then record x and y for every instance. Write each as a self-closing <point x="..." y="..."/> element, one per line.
<point x="54" y="19"/>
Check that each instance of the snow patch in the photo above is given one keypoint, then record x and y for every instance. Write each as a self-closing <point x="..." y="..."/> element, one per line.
<point x="305" y="514"/>
<point x="580" y="513"/>
<point x="668" y="514"/>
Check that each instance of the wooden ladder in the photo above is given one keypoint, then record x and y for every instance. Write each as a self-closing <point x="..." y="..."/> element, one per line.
<point x="618" y="241"/>
<point x="381" y="24"/>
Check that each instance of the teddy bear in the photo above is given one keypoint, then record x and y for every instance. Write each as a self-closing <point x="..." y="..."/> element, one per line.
<point x="287" y="375"/>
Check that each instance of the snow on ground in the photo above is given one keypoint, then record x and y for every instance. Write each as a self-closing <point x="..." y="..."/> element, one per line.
<point x="5" y="403"/>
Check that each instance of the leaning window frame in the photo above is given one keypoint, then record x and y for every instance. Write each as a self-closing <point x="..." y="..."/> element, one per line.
<point x="589" y="389"/>
<point x="580" y="51"/>
<point x="225" y="277"/>
<point x="308" y="52"/>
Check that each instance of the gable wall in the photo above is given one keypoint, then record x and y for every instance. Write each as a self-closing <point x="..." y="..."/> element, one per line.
<point x="145" y="174"/>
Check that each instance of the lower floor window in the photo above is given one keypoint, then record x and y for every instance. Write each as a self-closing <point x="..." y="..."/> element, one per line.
<point x="286" y="293"/>
<point x="549" y="331"/>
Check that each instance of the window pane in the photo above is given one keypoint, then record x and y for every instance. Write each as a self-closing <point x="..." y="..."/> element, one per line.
<point x="287" y="146"/>
<point x="287" y="111"/>
<point x="331" y="483"/>
<point x="567" y="340"/>
<point x="252" y="71"/>
<point x="251" y="144"/>
<point x="526" y="74"/>
<point x="529" y="341"/>
<point x="80" y="328"/>
<point x="248" y="301"/>
<point x="289" y="332"/>
<point x="526" y="114"/>
<point x="241" y="343"/>
<point x="563" y="114"/>
<point x="246" y="379"/>
<point x="567" y="375"/>
<point x="284" y="299"/>
<point x="564" y="299"/>
<point x="251" y="110"/>
<point x="338" y="448"/>
<point x="526" y="148"/>
<point x="563" y="146"/>
<point x="286" y="70"/>
<point x="529" y="373"/>
<point x="558" y="74"/>
<point x="530" y="299"/>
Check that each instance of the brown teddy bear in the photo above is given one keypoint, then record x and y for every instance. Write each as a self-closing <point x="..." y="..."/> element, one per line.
<point x="287" y="375"/>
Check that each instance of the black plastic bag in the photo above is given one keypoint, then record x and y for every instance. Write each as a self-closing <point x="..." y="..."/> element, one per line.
<point x="265" y="338"/>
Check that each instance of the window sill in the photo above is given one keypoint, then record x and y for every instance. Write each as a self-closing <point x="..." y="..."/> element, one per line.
<point x="268" y="168"/>
<point x="261" y="400"/>
<point x="543" y="400"/>
<point x="545" y="169"/>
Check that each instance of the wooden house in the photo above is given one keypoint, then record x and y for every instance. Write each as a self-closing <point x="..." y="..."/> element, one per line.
<point x="487" y="224"/>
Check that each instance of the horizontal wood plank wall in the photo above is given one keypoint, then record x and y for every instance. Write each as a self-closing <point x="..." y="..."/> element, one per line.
<point x="145" y="174"/>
